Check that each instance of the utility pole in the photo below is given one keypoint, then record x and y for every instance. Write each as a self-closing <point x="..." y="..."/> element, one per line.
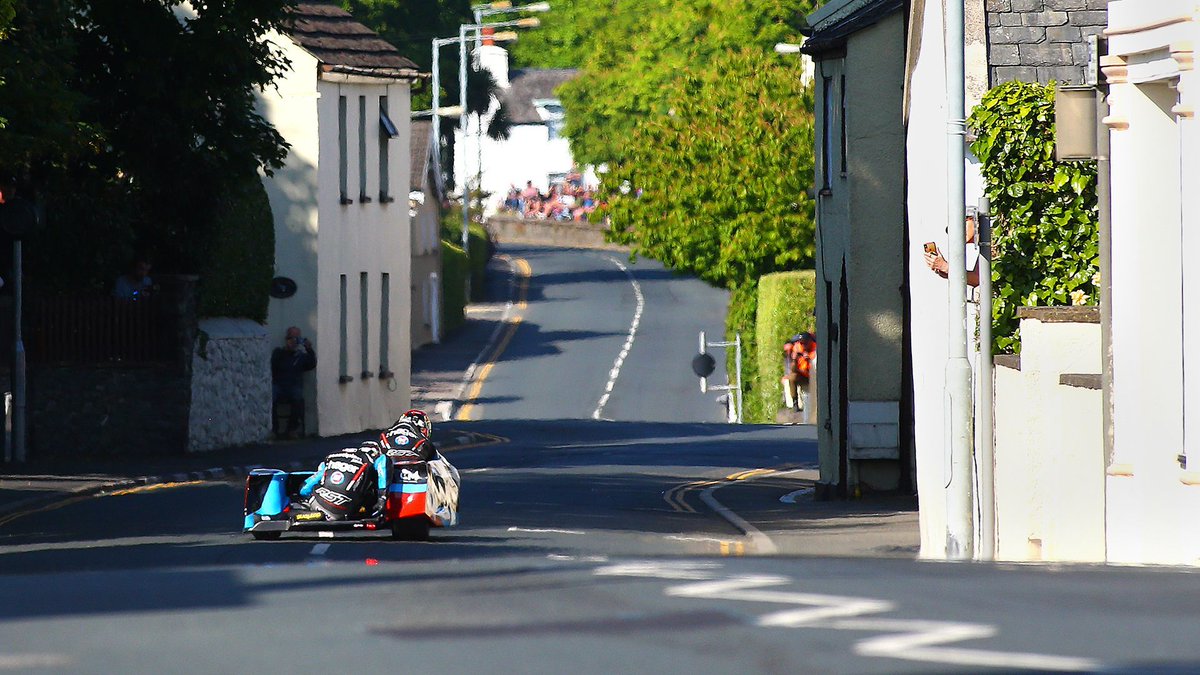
<point x="960" y="536"/>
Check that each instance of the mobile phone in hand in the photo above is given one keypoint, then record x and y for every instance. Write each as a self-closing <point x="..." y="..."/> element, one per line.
<point x="931" y="248"/>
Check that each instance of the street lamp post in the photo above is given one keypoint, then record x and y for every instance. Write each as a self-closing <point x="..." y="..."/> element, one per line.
<point x="528" y="22"/>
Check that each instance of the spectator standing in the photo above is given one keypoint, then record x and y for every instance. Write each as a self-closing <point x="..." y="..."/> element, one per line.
<point x="135" y="283"/>
<point x="288" y="365"/>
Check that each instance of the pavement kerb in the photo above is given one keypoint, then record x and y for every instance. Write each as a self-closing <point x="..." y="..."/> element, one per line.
<point x="762" y="542"/>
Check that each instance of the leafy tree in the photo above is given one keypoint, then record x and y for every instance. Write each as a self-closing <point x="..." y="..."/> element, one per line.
<point x="132" y="122"/>
<point x="717" y="187"/>
<point x="641" y="47"/>
<point x="1045" y="236"/>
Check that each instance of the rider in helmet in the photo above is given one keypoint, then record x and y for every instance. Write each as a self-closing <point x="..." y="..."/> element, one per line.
<point x="418" y="420"/>
<point x="405" y="438"/>
<point x="347" y="479"/>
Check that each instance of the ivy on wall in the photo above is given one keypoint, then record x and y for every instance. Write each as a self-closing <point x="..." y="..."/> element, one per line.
<point x="1045" y="240"/>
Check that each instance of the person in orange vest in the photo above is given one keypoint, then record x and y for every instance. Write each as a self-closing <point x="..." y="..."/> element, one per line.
<point x="799" y="359"/>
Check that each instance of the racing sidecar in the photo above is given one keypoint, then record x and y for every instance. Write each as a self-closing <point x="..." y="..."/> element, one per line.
<point x="421" y="494"/>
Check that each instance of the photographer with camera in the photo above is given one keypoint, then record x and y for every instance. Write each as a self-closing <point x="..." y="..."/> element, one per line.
<point x="288" y="365"/>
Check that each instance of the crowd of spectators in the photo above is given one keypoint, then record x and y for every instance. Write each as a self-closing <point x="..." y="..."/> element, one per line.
<point x="568" y="200"/>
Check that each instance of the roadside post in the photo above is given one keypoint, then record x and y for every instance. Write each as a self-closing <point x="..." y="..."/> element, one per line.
<point x="703" y="365"/>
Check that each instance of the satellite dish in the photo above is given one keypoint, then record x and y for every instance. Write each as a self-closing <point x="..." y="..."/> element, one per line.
<point x="282" y="287"/>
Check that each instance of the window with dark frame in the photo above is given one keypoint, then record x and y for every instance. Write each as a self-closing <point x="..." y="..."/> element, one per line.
<point x="343" y="331"/>
<point x="826" y="131"/>
<point x="842" y="121"/>
<point x="387" y="131"/>
<point x="385" y="301"/>
<point x="362" y="150"/>
<point x="364" y="312"/>
<point x="343" y="169"/>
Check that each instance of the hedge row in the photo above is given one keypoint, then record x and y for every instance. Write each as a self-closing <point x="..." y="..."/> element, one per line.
<point x="767" y="314"/>
<point x="454" y="273"/>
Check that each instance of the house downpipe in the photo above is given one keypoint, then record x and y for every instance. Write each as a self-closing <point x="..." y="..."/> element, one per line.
<point x="958" y="403"/>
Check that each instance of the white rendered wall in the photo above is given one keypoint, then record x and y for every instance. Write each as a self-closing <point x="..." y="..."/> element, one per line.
<point x="1152" y="498"/>
<point x="1049" y="453"/>
<point x="292" y="108"/>
<point x="928" y="218"/>
<point x="355" y="238"/>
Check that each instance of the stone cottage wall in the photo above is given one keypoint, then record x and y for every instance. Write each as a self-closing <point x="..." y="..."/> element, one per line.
<point x="231" y="385"/>
<point x="1042" y="40"/>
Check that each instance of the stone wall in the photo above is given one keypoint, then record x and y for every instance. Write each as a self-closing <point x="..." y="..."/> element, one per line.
<point x="571" y="234"/>
<point x="231" y="385"/>
<point x="1042" y="40"/>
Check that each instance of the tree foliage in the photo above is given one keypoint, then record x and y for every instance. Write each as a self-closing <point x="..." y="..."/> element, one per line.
<point x="717" y="187"/>
<point x="133" y="124"/>
<point x="634" y="50"/>
<point x="1045" y="235"/>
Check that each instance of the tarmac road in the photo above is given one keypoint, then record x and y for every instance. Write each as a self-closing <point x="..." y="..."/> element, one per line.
<point x="585" y="546"/>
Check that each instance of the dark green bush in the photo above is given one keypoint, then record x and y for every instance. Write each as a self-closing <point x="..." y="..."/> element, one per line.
<point x="236" y="262"/>
<point x="453" y="292"/>
<point x="1044" y="232"/>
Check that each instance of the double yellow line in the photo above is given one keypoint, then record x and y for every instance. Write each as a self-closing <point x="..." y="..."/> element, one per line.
<point x="524" y="271"/>
<point x="675" y="496"/>
<point x="89" y="495"/>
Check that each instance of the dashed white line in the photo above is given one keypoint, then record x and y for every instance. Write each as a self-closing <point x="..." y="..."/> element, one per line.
<point x="633" y="327"/>
<point x="544" y="530"/>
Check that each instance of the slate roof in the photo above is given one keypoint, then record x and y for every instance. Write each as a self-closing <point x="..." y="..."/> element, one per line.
<point x="528" y="84"/>
<point x="343" y="45"/>
<point x="833" y="23"/>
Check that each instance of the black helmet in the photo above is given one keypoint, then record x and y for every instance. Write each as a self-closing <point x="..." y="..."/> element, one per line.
<point x="401" y="436"/>
<point x="371" y="449"/>
<point x="418" y="420"/>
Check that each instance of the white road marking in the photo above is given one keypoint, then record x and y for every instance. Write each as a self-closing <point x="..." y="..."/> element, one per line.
<point x="790" y="498"/>
<point x="675" y="537"/>
<point x="907" y="639"/>
<point x="26" y="661"/>
<point x="633" y="327"/>
<point x="762" y="543"/>
<point x="572" y="558"/>
<point x="319" y="549"/>
<point x="544" y="530"/>
<point x="660" y="570"/>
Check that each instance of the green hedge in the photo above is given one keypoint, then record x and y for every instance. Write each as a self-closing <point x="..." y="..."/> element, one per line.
<point x="785" y="307"/>
<point x="453" y="296"/>
<point x="481" y="252"/>
<point x="454" y="273"/>
<point x="236" y="263"/>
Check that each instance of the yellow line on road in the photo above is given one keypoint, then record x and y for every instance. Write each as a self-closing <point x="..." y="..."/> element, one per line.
<point x="524" y="271"/>
<point x="150" y="488"/>
<point x="75" y="499"/>
<point x="675" y="496"/>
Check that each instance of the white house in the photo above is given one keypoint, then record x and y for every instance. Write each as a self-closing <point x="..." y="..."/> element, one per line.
<point x="342" y="216"/>
<point x="535" y="149"/>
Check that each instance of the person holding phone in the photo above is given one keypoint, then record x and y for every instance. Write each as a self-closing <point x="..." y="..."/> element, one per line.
<point x="288" y="365"/>
<point x="941" y="267"/>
